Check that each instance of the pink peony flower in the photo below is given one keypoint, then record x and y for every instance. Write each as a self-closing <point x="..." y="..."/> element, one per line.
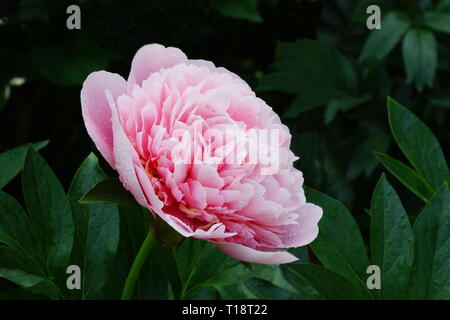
<point x="155" y="130"/>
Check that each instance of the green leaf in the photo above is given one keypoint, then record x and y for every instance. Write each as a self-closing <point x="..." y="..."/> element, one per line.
<point x="96" y="230"/>
<point x="200" y="264"/>
<point x="35" y="284"/>
<point x="407" y="176"/>
<point x="315" y="71"/>
<point x="11" y="161"/>
<point x="438" y="21"/>
<point x="420" y="57"/>
<point x="418" y="144"/>
<point x="382" y="41"/>
<point x="317" y="283"/>
<point x="231" y="274"/>
<point x="239" y="9"/>
<point x="430" y="277"/>
<point x="15" y="228"/>
<point x="268" y="282"/>
<point x="17" y="232"/>
<point x="16" y="258"/>
<point x="339" y="245"/>
<point x="239" y="291"/>
<point x="109" y="190"/>
<point x="301" y="253"/>
<point x="391" y="240"/>
<point x="49" y="211"/>
<point x="208" y="293"/>
<point x="263" y="289"/>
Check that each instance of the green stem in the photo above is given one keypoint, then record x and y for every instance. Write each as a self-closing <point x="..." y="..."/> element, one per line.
<point x="130" y="283"/>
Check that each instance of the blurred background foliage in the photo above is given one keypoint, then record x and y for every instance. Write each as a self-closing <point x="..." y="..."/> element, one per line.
<point x="314" y="62"/>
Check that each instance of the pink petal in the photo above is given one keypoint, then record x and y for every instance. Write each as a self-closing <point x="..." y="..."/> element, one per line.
<point x="207" y="176"/>
<point x="216" y="231"/>
<point x="152" y="58"/>
<point x="96" y="111"/>
<point x="155" y="205"/>
<point x="247" y="254"/>
<point x="211" y="66"/>
<point x="306" y="229"/>
<point x="194" y="194"/>
<point x="125" y="156"/>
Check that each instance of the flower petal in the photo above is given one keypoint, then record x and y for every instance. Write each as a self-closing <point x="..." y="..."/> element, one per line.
<point x="125" y="156"/>
<point x="247" y="254"/>
<point x="96" y="111"/>
<point x="212" y="67"/>
<point x="306" y="229"/>
<point x="155" y="205"/>
<point x="152" y="58"/>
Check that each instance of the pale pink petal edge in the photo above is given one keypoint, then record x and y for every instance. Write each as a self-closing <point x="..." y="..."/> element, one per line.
<point x="306" y="229"/>
<point x="247" y="254"/>
<point x="96" y="111"/>
<point x="152" y="58"/>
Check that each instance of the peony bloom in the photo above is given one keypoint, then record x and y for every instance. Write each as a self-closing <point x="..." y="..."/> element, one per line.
<point x="184" y="137"/>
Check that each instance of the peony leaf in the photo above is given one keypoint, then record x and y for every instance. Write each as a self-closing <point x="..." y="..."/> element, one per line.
<point x="239" y="291"/>
<point x="18" y="234"/>
<point x="339" y="245"/>
<point x="410" y="178"/>
<point x="317" y="283"/>
<point x="418" y="144"/>
<point x="198" y="264"/>
<point x="109" y="190"/>
<point x="438" y="21"/>
<point x="391" y="240"/>
<point x="430" y="277"/>
<point x="316" y="72"/>
<point x="49" y="211"/>
<point x="35" y="284"/>
<point x="420" y="57"/>
<point x="268" y="282"/>
<point x="382" y="41"/>
<point x="11" y="161"/>
<point x="96" y="231"/>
